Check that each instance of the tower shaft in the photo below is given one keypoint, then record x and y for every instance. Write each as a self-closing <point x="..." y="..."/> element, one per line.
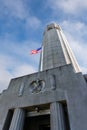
<point x="55" y="49"/>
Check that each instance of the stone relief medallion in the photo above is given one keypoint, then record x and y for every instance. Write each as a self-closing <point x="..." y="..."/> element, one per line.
<point x="37" y="86"/>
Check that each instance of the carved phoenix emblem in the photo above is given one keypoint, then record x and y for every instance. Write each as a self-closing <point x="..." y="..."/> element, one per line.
<point x="37" y="86"/>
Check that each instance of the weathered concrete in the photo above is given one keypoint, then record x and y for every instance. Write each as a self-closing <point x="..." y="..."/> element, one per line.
<point x="17" y="120"/>
<point x="57" y="117"/>
<point x="70" y="87"/>
<point x="58" y="83"/>
<point x="55" y="49"/>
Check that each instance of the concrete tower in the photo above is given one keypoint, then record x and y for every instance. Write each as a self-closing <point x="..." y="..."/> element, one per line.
<point x="55" y="98"/>
<point x="55" y="49"/>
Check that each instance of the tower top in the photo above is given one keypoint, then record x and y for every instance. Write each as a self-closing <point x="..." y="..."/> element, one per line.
<point x="52" y="26"/>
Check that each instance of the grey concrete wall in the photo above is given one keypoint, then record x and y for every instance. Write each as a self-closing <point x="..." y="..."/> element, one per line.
<point x="70" y="86"/>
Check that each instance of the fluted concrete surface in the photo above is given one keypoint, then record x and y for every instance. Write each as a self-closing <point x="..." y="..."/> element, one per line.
<point x="57" y="117"/>
<point x="17" y="120"/>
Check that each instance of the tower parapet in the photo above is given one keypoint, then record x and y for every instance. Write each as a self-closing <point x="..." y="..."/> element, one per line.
<point x="52" y="26"/>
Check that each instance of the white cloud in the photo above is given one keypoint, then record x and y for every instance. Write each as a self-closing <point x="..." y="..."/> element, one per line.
<point x="74" y="27"/>
<point x="5" y="77"/>
<point x="11" y="68"/>
<point x="18" y="50"/>
<point x="75" y="33"/>
<point x="84" y="69"/>
<point x="15" y="8"/>
<point x="19" y="10"/>
<point x="15" y="60"/>
<point x="23" y="69"/>
<point x="33" y="22"/>
<point x="69" y="6"/>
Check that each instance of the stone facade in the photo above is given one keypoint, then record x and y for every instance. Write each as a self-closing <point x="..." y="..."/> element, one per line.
<point x="58" y="91"/>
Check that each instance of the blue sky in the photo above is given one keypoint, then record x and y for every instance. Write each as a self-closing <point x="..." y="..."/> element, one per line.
<point x="22" y="23"/>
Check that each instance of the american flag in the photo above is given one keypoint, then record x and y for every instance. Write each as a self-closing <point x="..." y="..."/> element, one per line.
<point x="35" y="51"/>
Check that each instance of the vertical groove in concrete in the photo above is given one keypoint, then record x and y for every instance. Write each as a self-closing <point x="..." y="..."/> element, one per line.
<point x="57" y="117"/>
<point x="17" y="120"/>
